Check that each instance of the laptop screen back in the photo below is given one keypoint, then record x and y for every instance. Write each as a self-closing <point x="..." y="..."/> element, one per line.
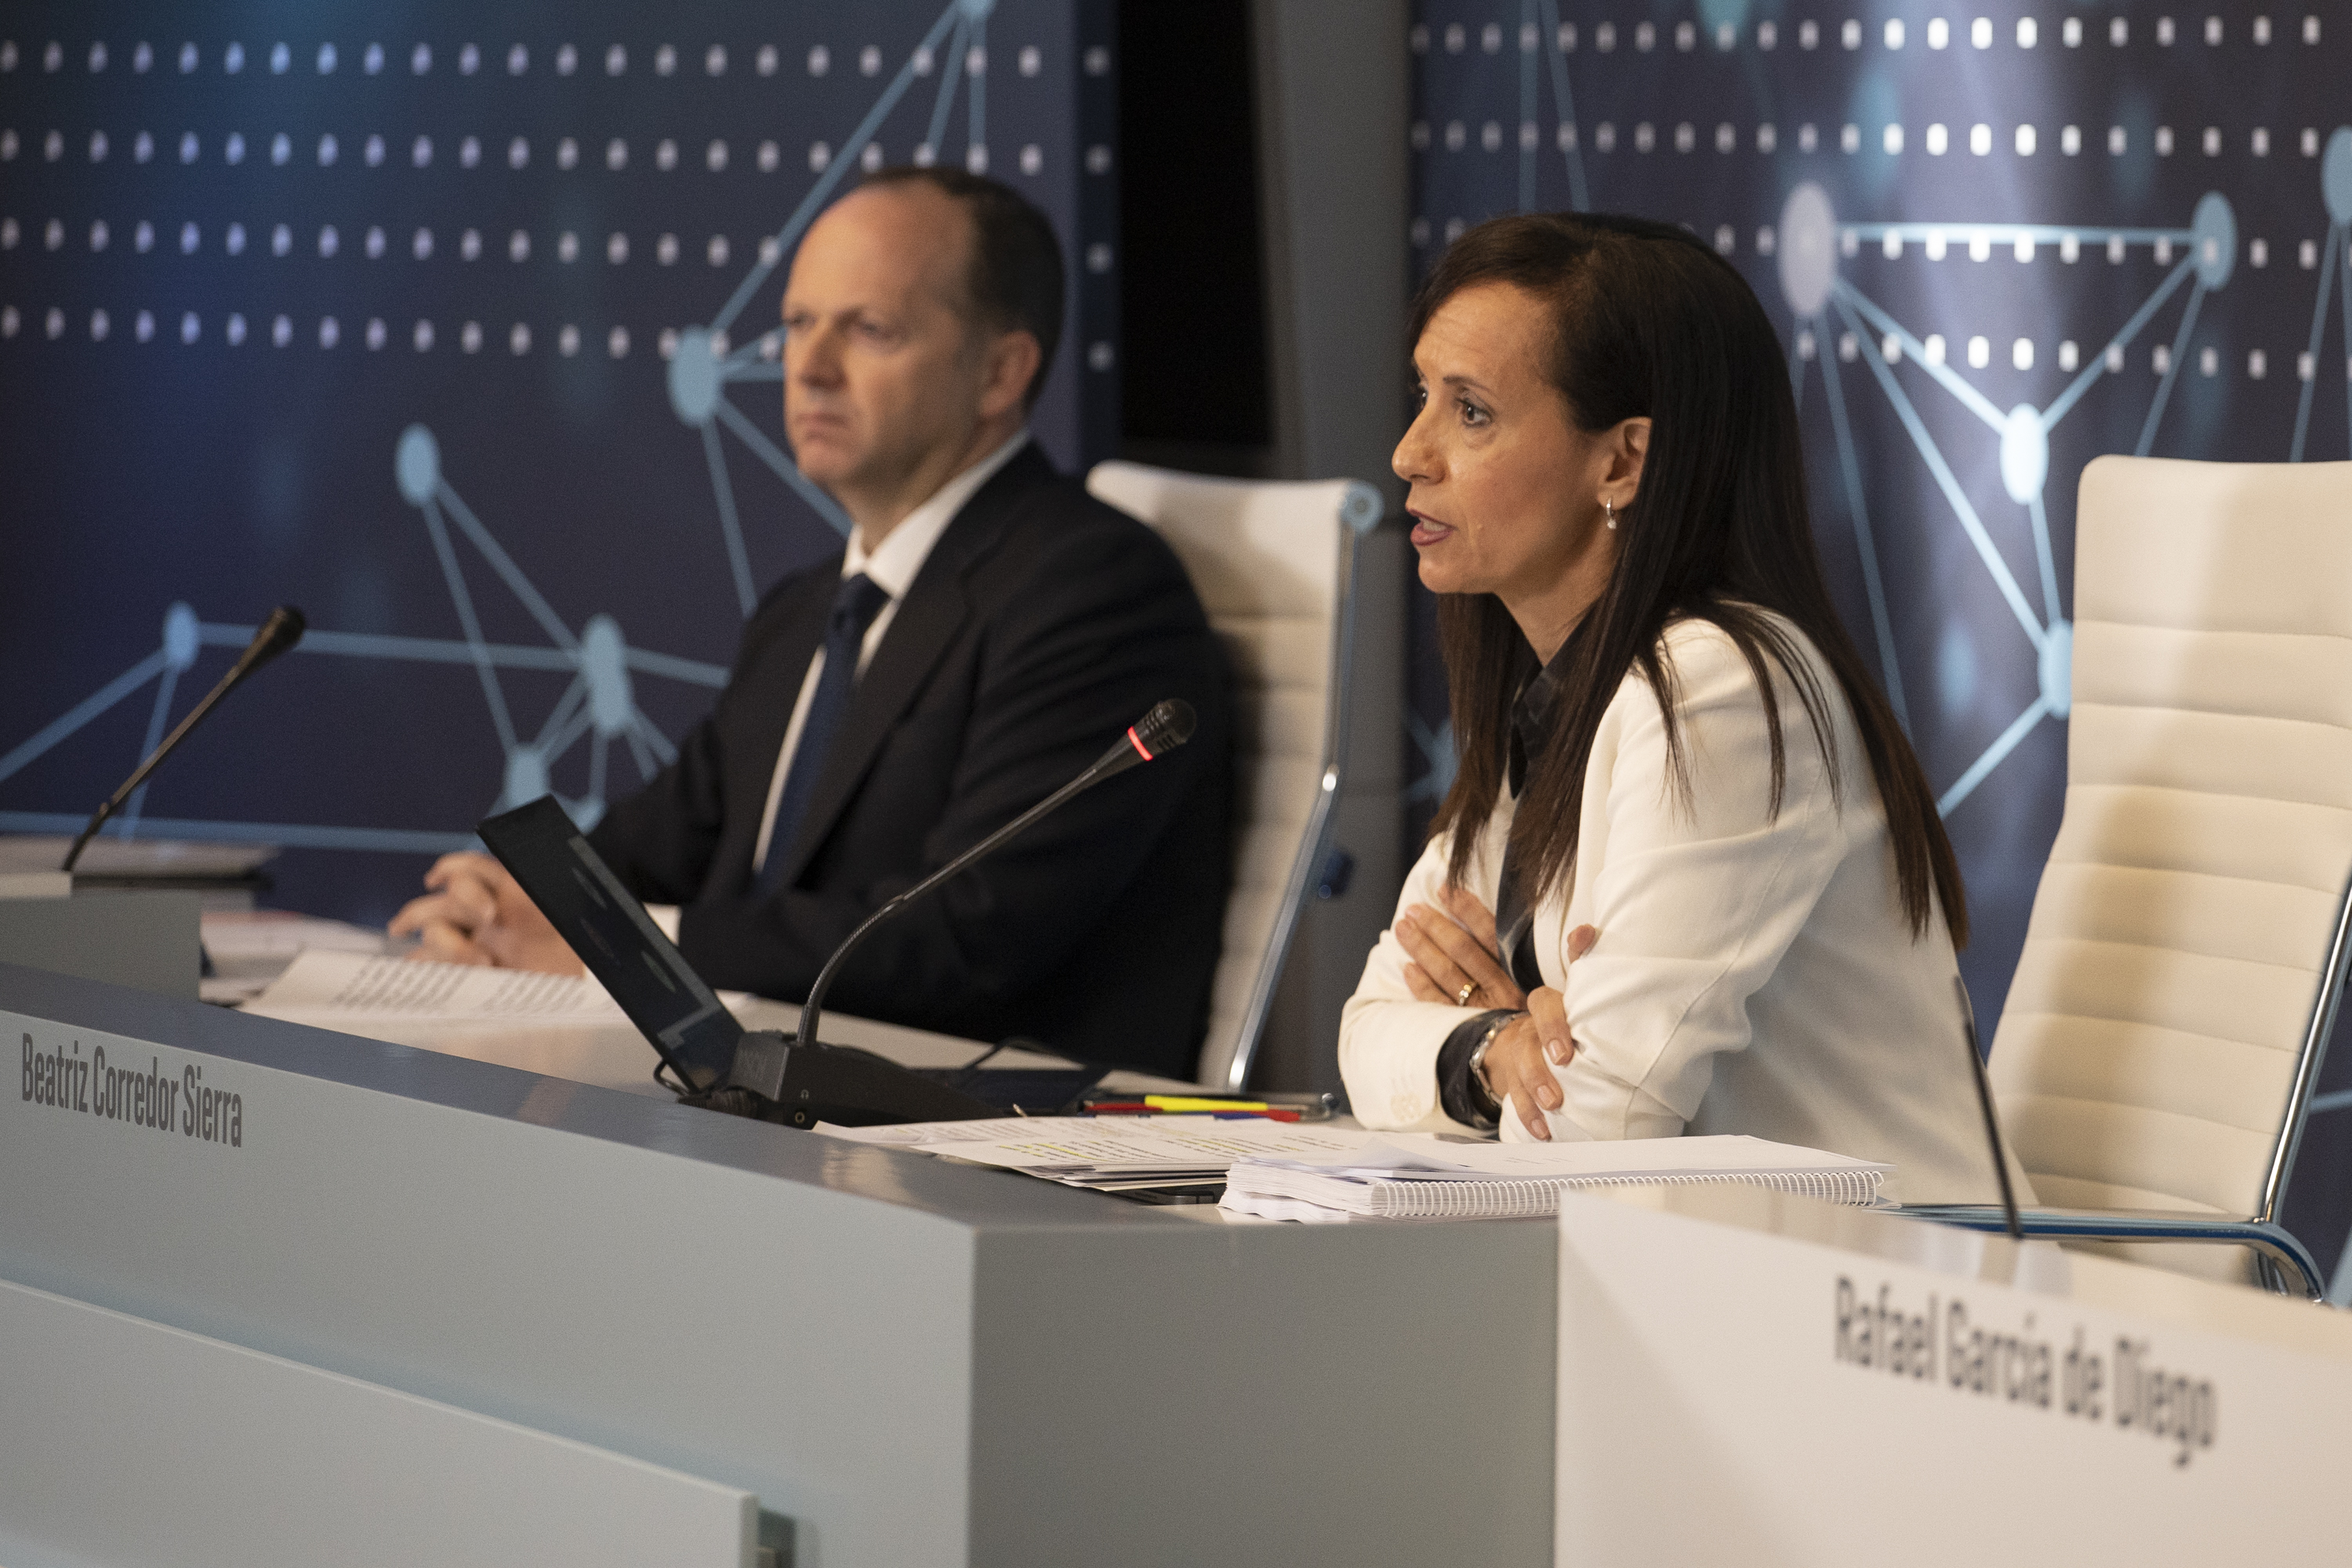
<point x="616" y="938"/>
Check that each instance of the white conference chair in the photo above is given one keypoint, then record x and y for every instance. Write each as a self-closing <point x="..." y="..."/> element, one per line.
<point x="2156" y="1058"/>
<point x="1275" y="564"/>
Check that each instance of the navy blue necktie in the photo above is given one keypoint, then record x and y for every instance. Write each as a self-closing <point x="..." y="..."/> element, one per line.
<point x="855" y="604"/>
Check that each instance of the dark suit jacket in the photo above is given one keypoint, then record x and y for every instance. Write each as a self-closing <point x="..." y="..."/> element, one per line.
<point x="1043" y="625"/>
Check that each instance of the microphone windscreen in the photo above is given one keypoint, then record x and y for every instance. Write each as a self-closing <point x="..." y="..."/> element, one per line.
<point x="285" y="626"/>
<point x="281" y="631"/>
<point x="1166" y="727"/>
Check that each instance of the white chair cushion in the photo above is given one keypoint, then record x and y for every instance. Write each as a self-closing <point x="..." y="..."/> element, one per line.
<point x="2146" y="1051"/>
<point x="1269" y="561"/>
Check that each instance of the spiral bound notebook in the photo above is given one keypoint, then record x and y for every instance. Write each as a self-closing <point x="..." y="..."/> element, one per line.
<point x="1429" y="1178"/>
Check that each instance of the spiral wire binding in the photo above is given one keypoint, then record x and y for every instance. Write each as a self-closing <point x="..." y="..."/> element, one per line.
<point x="1407" y="1199"/>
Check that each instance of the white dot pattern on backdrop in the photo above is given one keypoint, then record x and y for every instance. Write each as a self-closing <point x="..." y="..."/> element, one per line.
<point x="1544" y="129"/>
<point x="466" y="207"/>
<point x="422" y="147"/>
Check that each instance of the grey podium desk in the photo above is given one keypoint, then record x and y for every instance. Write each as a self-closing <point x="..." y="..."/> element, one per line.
<point x="916" y="1362"/>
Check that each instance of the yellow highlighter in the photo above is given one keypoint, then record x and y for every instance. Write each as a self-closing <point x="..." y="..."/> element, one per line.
<point x="1182" y="1104"/>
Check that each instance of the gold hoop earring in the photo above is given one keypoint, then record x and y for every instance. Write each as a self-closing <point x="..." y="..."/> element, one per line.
<point x="1610" y="510"/>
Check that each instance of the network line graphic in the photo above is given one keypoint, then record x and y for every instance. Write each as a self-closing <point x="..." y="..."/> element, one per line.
<point x="598" y="706"/>
<point x="1811" y="242"/>
<point x="703" y="364"/>
<point x="1837" y="322"/>
<point x="600" y="700"/>
<point x="1539" y="21"/>
<point x="2335" y="189"/>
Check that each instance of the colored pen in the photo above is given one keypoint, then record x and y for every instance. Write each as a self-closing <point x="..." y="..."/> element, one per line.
<point x="1128" y="1107"/>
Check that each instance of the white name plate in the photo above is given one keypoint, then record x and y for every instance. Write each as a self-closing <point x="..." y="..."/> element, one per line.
<point x="1752" y="1379"/>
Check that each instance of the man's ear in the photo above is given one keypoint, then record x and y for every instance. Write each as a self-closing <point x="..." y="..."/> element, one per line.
<point x="1012" y="363"/>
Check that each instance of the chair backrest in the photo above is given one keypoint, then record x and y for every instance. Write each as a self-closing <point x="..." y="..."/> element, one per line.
<point x="2188" y="941"/>
<point x="1273" y="563"/>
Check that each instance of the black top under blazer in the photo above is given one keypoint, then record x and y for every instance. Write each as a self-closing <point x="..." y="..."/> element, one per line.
<point x="1042" y="624"/>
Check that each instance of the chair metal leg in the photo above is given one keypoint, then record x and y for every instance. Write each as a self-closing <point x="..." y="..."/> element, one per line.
<point x="2285" y="1265"/>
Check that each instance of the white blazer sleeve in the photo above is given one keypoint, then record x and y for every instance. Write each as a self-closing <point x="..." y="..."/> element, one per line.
<point x="1388" y="1041"/>
<point x="1697" y="899"/>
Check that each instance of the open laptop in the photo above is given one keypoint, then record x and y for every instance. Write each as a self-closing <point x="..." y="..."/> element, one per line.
<point x="618" y="941"/>
<point x="703" y="1044"/>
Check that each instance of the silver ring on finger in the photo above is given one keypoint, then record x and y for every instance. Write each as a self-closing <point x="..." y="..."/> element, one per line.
<point x="1462" y="997"/>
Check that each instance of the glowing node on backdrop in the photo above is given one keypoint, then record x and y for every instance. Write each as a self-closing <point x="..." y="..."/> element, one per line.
<point x="2024" y="454"/>
<point x="604" y="661"/>
<point x="181" y="635"/>
<point x="2056" y="669"/>
<point x="525" y="778"/>
<point x="2335" y="176"/>
<point x="694" y="376"/>
<point x="2216" y="229"/>
<point x="1955" y="666"/>
<point x="416" y="464"/>
<point x="1808" y="249"/>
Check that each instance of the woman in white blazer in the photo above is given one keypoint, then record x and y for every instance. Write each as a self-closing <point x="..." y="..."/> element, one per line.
<point x="1689" y="877"/>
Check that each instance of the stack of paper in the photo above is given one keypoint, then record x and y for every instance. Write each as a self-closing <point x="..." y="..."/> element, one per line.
<point x="1416" y="1176"/>
<point x="348" y="990"/>
<point x="249" y="949"/>
<point x="1118" y="1153"/>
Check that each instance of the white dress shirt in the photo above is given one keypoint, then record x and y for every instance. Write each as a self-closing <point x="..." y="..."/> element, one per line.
<point x="1753" y="973"/>
<point x="893" y="564"/>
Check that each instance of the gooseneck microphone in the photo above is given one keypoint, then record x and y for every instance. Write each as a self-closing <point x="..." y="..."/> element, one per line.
<point x="1168" y="726"/>
<point x="281" y="631"/>
<point x="1992" y="1123"/>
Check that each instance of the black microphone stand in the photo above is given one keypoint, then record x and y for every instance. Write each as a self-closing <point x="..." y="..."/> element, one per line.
<point x="799" y="1079"/>
<point x="1117" y="760"/>
<point x="1992" y="1124"/>
<point x="281" y="631"/>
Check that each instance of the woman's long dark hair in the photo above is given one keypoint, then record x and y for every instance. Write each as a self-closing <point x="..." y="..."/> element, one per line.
<point x="1650" y="323"/>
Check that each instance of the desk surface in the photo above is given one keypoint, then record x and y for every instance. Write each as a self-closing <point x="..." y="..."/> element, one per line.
<point x="919" y="1363"/>
<point x="614" y="1056"/>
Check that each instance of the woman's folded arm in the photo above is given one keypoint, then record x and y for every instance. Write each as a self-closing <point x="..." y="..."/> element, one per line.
<point x="1699" y="893"/>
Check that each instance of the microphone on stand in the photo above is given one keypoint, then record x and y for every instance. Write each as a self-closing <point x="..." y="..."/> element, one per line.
<point x="798" y="1079"/>
<point x="1992" y="1123"/>
<point x="1168" y="726"/>
<point x="281" y="631"/>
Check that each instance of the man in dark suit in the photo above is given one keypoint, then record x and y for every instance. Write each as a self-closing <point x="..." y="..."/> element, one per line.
<point x="988" y="631"/>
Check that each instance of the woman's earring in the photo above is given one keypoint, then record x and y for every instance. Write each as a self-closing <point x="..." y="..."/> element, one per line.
<point x="1611" y="510"/>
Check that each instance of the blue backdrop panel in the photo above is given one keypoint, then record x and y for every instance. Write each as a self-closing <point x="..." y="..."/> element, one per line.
<point x="452" y="325"/>
<point x="1998" y="241"/>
